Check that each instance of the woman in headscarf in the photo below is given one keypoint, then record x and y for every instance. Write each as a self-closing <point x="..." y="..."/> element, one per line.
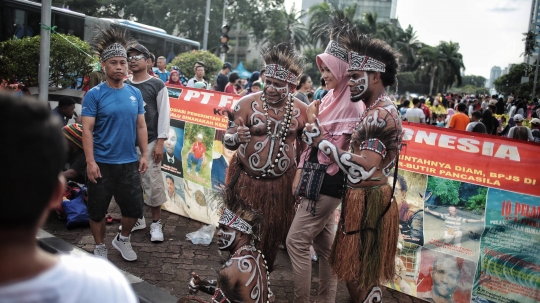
<point x="314" y="222"/>
<point x="174" y="79"/>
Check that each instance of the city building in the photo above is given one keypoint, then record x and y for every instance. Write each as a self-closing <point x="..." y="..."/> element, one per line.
<point x="385" y="9"/>
<point x="243" y="49"/>
<point x="496" y="72"/>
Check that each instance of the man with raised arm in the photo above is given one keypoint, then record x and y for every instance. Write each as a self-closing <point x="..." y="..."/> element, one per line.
<point x="264" y="128"/>
<point x="364" y="249"/>
<point x="244" y="277"/>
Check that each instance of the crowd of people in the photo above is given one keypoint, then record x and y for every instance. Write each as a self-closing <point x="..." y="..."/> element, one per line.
<point x="486" y="114"/>
<point x="300" y="153"/>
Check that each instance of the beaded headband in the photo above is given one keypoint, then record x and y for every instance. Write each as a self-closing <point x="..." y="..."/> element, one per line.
<point x="365" y="63"/>
<point x="334" y="49"/>
<point x="279" y="72"/>
<point x="228" y="218"/>
<point x="114" y="50"/>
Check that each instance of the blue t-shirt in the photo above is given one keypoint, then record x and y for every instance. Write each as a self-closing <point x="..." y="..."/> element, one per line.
<point x="163" y="76"/>
<point x="115" y="129"/>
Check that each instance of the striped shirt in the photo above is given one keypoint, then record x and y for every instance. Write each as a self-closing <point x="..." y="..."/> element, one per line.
<point x="452" y="222"/>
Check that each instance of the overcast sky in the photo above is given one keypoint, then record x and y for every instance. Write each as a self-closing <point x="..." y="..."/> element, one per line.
<point x="488" y="31"/>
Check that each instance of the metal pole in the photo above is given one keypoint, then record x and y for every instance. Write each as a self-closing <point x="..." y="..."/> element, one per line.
<point x="537" y="52"/>
<point x="44" y="51"/>
<point x="223" y="22"/>
<point x="206" y="21"/>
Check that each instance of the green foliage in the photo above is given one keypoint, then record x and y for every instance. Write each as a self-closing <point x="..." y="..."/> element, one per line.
<point x="312" y="69"/>
<point x="444" y="190"/>
<point x="190" y="133"/>
<point x="20" y="60"/>
<point x="478" y="201"/>
<point x="511" y="82"/>
<point x="186" y="63"/>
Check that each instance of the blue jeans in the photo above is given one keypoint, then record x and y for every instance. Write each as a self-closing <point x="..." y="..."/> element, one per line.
<point x="191" y="159"/>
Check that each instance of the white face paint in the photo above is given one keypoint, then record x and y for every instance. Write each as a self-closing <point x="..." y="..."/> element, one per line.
<point x="282" y="91"/>
<point x="225" y="239"/>
<point x="361" y="85"/>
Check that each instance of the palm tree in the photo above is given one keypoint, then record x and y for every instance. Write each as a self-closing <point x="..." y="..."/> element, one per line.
<point x="320" y="18"/>
<point x="452" y="63"/>
<point x="429" y="59"/>
<point x="408" y="45"/>
<point x="287" y="27"/>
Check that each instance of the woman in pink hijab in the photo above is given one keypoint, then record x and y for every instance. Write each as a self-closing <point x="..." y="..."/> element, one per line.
<point x="314" y="221"/>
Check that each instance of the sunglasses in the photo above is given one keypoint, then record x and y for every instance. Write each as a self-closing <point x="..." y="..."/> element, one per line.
<point x="136" y="58"/>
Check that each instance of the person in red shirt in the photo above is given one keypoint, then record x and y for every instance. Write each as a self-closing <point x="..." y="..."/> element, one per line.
<point x="196" y="155"/>
<point x="460" y="120"/>
<point x="174" y="79"/>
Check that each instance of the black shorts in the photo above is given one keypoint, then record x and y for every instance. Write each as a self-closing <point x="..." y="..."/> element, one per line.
<point x="122" y="181"/>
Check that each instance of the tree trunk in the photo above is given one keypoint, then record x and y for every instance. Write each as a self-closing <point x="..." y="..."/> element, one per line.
<point x="431" y="82"/>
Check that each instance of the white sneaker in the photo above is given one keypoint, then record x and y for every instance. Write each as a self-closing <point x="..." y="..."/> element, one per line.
<point x="124" y="247"/>
<point x="156" y="232"/>
<point x="140" y="224"/>
<point x="100" y="251"/>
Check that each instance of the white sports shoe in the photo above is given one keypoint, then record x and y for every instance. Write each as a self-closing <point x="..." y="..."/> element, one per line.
<point x="156" y="232"/>
<point x="140" y="224"/>
<point x="124" y="247"/>
<point x="100" y="251"/>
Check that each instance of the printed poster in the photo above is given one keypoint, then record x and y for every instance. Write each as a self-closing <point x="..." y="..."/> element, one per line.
<point x="509" y="267"/>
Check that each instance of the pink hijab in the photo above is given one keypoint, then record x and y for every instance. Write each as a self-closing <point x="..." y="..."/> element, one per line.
<point x="337" y="114"/>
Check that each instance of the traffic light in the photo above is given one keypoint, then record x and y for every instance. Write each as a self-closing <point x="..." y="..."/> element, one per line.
<point x="224" y="46"/>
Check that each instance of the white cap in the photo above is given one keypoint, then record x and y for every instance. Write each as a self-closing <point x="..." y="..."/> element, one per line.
<point x="199" y="136"/>
<point x="518" y="118"/>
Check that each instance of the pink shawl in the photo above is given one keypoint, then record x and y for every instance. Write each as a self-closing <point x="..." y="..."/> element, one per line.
<point x="337" y="114"/>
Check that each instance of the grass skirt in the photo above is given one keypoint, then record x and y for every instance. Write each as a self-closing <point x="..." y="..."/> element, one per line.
<point x="274" y="199"/>
<point x="367" y="257"/>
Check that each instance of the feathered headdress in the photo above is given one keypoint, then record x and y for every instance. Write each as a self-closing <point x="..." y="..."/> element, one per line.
<point x="237" y="214"/>
<point x="336" y="25"/>
<point x="369" y="54"/>
<point x="283" y="62"/>
<point x="111" y="41"/>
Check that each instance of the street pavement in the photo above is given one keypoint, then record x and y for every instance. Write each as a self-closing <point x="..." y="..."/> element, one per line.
<point x="168" y="265"/>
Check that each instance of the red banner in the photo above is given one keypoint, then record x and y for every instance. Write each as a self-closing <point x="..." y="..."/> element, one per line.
<point x="485" y="160"/>
<point x="204" y="107"/>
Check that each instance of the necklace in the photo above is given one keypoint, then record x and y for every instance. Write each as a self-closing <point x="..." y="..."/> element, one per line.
<point x="280" y="134"/>
<point x="245" y="247"/>
<point x="372" y="106"/>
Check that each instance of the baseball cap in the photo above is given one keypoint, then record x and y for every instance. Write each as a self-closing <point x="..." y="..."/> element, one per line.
<point x="227" y="65"/>
<point x="535" y="121"/>
<point x="518" y="118"/>
<point x="140" y="48"/>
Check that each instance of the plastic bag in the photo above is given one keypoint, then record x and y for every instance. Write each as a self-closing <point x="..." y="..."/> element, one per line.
<point x="203" y="236"/>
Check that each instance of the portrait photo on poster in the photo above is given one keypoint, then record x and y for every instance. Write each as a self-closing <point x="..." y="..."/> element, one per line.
<point x="444" y="278"/>
<point x="407" y="268"/>
<point x="197" y="153"/>
<point x="410" y="194"/>
<point x="221" y="159"/>
<point x="176" y="195"/>
<point x="172" y="158"/>
<point x="203" y="203"/>
<point x="454" y="217"/>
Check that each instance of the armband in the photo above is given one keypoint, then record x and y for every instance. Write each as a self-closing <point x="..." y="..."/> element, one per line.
<point x="374" y="145"/>
<point x="231" y="139"/>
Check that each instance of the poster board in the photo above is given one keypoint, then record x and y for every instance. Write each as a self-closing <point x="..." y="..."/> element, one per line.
<point x="469" y="203"/>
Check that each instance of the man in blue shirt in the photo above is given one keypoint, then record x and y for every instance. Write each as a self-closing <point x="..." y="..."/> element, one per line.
<point x="113" y="119"/>
<point x="162" y="71"/>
